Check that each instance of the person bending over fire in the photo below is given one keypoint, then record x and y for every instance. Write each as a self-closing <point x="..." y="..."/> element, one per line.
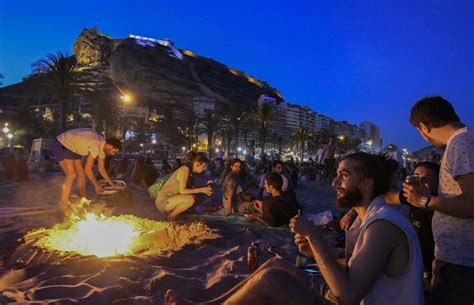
<point x="70" y="147"/>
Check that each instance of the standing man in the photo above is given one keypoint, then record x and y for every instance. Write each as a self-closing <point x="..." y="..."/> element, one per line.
<point x="70" y="147"/>
<point x="329" y="161"/>
<point x="453" y="220"/>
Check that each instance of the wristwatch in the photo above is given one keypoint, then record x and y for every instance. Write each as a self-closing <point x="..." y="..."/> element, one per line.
<point x="425" y="201"/>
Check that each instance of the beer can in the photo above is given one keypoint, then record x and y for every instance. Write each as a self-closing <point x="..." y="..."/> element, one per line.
<point x="300" y="261"/>
<point x="252" y="258"/>
<point x="412" y="179"/>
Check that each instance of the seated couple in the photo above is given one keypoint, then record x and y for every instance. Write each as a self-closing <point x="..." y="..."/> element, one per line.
<point x="385" y="266"/>
<point x="177" y="195"/>
<point x="275" y="211"/>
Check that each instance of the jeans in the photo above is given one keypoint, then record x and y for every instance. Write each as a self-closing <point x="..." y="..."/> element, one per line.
<point x="452" y="284"/>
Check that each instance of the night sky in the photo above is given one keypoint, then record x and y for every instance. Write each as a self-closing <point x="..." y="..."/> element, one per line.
<point x="351" y="60"/>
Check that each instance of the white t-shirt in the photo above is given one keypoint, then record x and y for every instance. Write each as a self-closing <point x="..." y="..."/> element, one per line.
<point x="83" y="141"/>
<point x="454" y="237"/>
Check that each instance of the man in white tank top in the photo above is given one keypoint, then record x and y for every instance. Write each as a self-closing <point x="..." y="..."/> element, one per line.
<point x="386" y="265"/>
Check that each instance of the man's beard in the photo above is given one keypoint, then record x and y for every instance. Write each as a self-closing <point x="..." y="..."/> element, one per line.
<point x="349" y="199"/>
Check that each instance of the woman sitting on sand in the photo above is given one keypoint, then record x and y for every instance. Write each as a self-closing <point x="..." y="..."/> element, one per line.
<point x="176" y="196"/>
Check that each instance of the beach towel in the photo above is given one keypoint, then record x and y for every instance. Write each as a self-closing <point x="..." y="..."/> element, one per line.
<point x="236" y="219"/>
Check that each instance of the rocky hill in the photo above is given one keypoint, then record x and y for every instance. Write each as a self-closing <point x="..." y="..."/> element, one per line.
<point x="157" y="74"/>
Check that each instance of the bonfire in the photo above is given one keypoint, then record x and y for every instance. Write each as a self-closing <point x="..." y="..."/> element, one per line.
<point x="93" y="231"/>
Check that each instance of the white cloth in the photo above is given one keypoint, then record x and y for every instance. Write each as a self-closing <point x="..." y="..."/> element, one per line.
<point x="393" y="290"/>
<point x="454" y="237"/>
<point x="83" y="141"/>
<point x="319" y="156"/>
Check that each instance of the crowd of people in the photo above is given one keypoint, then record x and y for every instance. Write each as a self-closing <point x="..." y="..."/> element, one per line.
<point x="390" y="259"/>
<point x="387" y="255"/>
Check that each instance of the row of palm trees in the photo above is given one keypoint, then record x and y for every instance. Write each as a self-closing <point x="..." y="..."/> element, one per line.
<point x="58" y="78"/>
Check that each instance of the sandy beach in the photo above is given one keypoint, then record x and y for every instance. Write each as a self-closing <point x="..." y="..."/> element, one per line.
<point x="199" y="271"/>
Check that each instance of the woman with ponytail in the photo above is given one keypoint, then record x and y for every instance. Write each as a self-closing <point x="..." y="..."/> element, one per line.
<point x="177" y="196"/>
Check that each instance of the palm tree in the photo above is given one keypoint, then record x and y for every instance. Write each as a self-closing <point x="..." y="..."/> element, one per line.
<point x="299" y="137"/>
<point x="189" y="123"/>
<point x="169" y="127"/>
<point x="226" y="132"/>
<point x="263" y="113"/>
<point x="238" y="118"/>
<point x="209" y="125"/>
<point x="105" y="112"/>
<point x="322" y="137"/>
<point x="278" y="140"/>
<point x="58" y="74"/>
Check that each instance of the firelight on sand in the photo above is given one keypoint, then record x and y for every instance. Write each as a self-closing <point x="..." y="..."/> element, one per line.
<point x="107" y="236"/>
<point x="95" y="235"/>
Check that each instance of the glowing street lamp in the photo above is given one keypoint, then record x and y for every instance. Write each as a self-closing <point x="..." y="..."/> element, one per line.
<point x="126" y="98"/>
<point x="10" y="136"/>
<point x="153" y="141"/>
<point x="370" y="145"/>
<point x="239" y="149"/>
<point x="341" y="137"/>
<point x="6" y="129"/>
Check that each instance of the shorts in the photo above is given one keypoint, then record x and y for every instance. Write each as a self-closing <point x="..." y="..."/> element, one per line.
<point x="452" y="284"/>
<point x="62" y="153"/>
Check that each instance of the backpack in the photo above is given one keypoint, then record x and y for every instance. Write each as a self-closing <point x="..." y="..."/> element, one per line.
<point x="158" y="185"/>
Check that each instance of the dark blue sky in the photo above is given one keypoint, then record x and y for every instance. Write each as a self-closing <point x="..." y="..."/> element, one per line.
<point x="353" y="60"/>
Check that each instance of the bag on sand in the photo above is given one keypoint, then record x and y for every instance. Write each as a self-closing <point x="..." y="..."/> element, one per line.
<point x="156" y="187"/>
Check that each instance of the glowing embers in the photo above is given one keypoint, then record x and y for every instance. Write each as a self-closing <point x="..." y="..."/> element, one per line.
<point x="102" y="236"/>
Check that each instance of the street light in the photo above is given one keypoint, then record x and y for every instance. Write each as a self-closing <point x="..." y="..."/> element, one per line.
<point x="6" y="129"/>
<point x="125" y="98"/>
<point x="10" y="136"/>
<point x="370" y="145"/>
<point x="341" y="137"/>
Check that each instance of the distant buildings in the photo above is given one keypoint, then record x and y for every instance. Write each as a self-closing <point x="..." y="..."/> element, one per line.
<point x="291" y="116"/>
<point x="371" y="134"/>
